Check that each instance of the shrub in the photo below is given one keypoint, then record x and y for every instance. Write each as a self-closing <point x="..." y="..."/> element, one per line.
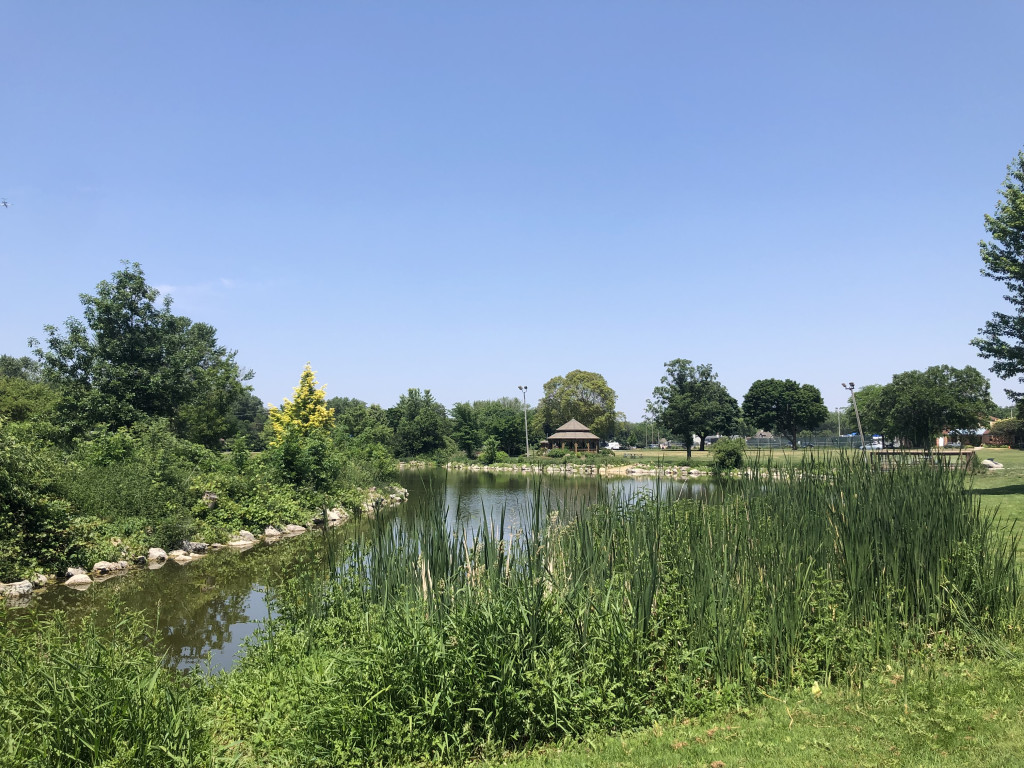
<point x="728" y="453"/>
<point x="37" y="530"/>
<point x="489" y="452"/>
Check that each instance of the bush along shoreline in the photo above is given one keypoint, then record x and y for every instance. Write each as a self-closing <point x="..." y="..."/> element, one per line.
<point x="102" y="505"/>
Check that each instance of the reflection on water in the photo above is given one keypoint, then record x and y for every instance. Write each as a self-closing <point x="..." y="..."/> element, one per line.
<point x="472" y="496"/>
<point x="207" y="608"/>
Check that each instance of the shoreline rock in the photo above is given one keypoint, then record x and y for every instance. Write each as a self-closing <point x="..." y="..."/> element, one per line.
<point x="155" y="557"/>
<point x="16" y="589"/>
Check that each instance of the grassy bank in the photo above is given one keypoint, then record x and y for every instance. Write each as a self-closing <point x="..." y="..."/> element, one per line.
<point x="947" y="713"/>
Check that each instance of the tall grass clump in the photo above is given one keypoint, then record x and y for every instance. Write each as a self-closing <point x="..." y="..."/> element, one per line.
<point x="423" y="642"/>
<point x="72" y="694"/>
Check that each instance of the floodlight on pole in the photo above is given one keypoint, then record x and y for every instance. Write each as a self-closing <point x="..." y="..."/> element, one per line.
<point x="526" y="426"/>
<point x="850" y="387"/>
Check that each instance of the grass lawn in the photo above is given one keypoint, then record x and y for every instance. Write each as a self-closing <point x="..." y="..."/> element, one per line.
<point x="1002" y="490"/>
<point x="969" y="714"/>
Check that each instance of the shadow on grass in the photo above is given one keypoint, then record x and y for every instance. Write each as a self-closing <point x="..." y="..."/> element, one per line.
<point x="1003" y="490"/>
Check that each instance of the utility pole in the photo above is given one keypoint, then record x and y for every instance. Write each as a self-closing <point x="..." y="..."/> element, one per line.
<point x="839" y="419"/>
<point x="526" y="426"/>
<point x="856" y="410"/>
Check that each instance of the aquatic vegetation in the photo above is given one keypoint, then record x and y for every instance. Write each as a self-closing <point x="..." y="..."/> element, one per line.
<point x="426" y="643"/>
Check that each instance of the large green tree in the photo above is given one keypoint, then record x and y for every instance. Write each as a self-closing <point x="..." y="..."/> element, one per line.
<point x="420" y="424"/>
<point x="581" y="395"/>
<point x="691" y="401"/>
<point x="132" y="357"/>
<point x="784" y="406"/>
<point x="466" y="428"/>
<point x="916" y="406"/>
<point x="1002" y="337"/>
<point x="502" y="419"/>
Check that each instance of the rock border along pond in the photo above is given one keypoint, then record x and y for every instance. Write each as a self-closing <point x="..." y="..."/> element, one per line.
<point x="19" y="592"/>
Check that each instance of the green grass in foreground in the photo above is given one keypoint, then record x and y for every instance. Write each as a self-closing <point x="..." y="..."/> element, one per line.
<point x="969" y="714"/>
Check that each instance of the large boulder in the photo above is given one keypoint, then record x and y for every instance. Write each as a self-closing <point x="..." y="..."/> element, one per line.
<point x="104" y="566"/>
<point x="294" y="530"/>
<point x="78" y="580"/>
<point x="271" y="532"/>
<point x="17" y="589"/>
<point x="195" y="547"/>
<point x="155" y="553"/>
<point x="67" y="573"/>
<point x="242" y="540"/>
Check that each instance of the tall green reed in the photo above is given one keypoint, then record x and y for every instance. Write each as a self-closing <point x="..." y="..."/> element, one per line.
<point x="440" y="642"/>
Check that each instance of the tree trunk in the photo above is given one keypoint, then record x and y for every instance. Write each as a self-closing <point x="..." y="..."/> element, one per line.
<point x="793" y="438"/>
<point x="689" y="445"/>
<point x="702" y="441"/>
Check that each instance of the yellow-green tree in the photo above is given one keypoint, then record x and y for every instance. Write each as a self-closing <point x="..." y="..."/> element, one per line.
<point x="306" y="413"/>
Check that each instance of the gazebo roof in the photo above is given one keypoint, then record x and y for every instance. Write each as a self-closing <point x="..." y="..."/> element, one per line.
<point x="573" y="430"/>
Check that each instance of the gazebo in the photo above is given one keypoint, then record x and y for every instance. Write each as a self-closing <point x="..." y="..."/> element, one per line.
<point x="574" y="435"/>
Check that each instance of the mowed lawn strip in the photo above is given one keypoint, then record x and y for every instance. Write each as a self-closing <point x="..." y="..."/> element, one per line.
<point x="1002" y="490"/>
<point x="949" y="714"/>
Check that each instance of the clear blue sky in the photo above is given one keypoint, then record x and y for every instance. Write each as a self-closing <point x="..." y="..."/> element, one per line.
<point x="467" y="196"/>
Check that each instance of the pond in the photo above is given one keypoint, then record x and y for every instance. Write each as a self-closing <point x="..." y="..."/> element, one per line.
<point x="204" y="610"/>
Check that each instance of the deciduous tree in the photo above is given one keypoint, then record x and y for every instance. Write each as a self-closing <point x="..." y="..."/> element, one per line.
<point x="690" y="400"/>
<point x="420" y="424"/>
<point x="581" y="395"/>
<point x="132" y="358"/>
<point x="1002" y="337"/>
<point x="782" y="405"/>
<point x="916" y="406"/>
<point x="465" y="428"/>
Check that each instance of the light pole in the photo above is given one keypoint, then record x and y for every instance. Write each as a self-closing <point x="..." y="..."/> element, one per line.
<point x="526" y="426"/>
<point x="840" y="420"/>
<point x="856" y="410"/>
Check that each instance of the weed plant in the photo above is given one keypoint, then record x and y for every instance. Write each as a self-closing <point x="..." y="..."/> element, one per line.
<point x="425" y="643"/>
<point x="71" y="695"/>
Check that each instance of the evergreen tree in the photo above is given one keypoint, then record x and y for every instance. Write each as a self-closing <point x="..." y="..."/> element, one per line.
<point x="306" y="413"/>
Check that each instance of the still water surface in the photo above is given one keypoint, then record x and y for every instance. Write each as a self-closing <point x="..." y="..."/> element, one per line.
<point x="206" y="609"/>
